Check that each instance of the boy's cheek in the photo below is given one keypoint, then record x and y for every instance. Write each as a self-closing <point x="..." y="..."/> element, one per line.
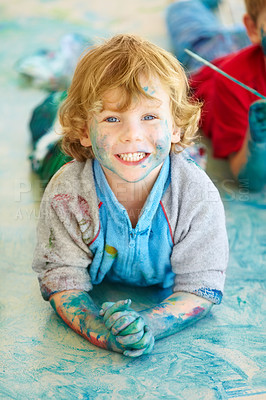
<point x="162" y="147"/>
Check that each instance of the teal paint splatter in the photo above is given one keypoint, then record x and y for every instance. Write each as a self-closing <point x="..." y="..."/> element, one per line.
<point x="146" y="90"/>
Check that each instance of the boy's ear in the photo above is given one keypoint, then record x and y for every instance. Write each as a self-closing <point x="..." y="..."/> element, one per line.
<point x="252" y="29"/>
<point x="175" y="135"/>
<point x="85" y="140"/>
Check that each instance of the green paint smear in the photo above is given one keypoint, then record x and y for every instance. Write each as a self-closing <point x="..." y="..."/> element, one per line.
<point x="51" y="239"/>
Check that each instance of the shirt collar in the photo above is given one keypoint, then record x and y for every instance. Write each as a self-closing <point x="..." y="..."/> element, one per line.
<point x="106" y="195"/>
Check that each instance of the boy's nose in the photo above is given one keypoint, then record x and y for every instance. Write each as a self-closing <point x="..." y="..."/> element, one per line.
<point x="132" y="132"/>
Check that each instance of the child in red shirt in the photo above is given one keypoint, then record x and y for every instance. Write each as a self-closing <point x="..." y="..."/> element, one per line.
<point x="233" y="117"/>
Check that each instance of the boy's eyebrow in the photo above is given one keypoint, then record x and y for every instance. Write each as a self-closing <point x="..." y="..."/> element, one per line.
<point x="156" y="104"/>
<point x="110" y="108"/>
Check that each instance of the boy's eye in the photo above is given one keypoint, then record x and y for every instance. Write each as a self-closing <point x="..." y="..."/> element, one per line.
<point x="111" y="119"/>
<point x="149" y="117"/>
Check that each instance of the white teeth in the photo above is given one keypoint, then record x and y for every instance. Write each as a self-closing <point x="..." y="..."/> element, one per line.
<point x="132" y="156"/>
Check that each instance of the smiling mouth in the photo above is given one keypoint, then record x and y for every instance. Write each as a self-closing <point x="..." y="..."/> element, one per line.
<point x="132" y="157"/>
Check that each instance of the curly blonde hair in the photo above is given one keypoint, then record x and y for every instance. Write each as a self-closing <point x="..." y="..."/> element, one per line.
<point x="118" y="63"/>
<point x="254" y="8"/>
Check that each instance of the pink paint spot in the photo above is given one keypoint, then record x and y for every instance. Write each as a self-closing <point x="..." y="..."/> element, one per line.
<point x="84" y="206"/>
<point x="196" y="311"/>
<point x="62" y="196"/>
<point x="61" y="201"/>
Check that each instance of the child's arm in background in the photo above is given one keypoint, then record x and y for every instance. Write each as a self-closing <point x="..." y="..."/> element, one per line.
<point x="248" y="164"/>
<point x="78" y="310"/>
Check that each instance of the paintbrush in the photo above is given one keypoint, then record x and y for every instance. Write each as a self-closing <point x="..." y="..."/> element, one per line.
<point x="197" y="57"/>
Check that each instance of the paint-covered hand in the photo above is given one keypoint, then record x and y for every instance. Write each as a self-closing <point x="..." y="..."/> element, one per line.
<point x="129" y="328"/>
<point x="78" y="310"/>
<point x="257" y="121"/>
<point x="119" y="317"/>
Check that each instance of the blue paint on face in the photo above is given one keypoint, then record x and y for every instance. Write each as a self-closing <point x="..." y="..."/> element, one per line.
<point x="148" y="90"/>
<point x="144" y="127"/>
<point x="100" y="146"/>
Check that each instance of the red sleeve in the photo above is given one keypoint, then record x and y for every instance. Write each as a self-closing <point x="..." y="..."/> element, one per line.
<point x="226" y="104"/>
<point x="230" y="116"/>
<point x="202" y="84"/>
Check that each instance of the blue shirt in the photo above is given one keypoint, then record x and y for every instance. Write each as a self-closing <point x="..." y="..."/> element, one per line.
<point x="137" y="256"/>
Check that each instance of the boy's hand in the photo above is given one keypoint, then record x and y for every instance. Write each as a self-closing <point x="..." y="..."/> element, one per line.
<point x="128" y="327"/>
<point x="257" y="121"/>
<point x="119" y="316"/>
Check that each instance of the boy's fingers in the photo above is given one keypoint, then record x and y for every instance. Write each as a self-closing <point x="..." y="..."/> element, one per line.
<point x="146" y="340"/>
<point x="116" y="307"/>
<point x="122" y="329"/>
<point x="124" y="318"/>
<point x="121" y="305"/>
<point x="138" y="353"/>
<point x="130" y="339"/>
<point x="133" y="353"/>
<point x="105" y="307"/>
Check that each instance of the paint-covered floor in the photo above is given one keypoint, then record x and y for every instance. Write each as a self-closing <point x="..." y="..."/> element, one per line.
<point x="221" y="357"/>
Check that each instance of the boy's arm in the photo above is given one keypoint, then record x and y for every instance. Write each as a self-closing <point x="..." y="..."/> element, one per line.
<point x="78" y="310"/>
<point x="175" y="313"/>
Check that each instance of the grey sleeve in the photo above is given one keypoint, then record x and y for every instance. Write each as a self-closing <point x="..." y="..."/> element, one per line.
<point x="200" y="253"/>
<point x="62" y="257"/>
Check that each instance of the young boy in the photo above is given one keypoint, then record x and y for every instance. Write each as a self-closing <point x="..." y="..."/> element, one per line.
<point x="126" y="209"/>
<point x="234" y="118"/>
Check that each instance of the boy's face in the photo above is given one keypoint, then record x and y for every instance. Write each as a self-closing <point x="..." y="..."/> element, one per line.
<point x="133" y="144"/>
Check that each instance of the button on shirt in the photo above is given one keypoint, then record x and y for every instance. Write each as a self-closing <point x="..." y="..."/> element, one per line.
<point x="139" y="256"/>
